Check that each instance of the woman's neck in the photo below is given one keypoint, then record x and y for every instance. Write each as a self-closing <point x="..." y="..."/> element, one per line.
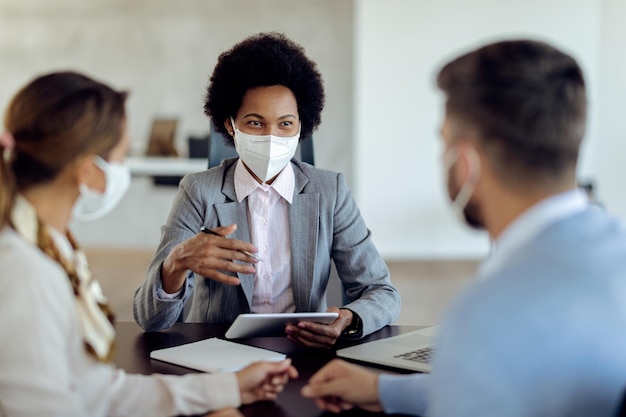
<point x="54" y="203"/>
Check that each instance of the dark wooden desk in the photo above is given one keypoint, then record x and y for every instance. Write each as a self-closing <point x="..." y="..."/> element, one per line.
<point x="134" y="347"/>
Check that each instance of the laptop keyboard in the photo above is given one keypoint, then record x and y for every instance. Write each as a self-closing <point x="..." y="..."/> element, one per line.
<point x="423" y="355"/>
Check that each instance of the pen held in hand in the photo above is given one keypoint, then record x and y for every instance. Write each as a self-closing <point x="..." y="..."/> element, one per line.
<point x="245" y="252"/>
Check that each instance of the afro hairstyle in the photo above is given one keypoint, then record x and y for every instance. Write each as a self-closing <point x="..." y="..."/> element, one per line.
<point x="264" y="60"/>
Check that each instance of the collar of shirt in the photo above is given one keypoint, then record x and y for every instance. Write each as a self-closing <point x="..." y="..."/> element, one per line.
<point x="529" y="225"/>
<point x="245" y="184"/>
<point x="62" y="243"/>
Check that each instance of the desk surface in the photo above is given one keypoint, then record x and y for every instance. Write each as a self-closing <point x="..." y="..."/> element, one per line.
<point x="134" y="347"/>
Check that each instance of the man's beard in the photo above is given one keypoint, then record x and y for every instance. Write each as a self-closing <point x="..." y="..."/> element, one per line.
<point x="471" y="211"/>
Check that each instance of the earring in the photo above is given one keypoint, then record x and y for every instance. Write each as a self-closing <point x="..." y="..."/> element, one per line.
<point x="232" y="133"/>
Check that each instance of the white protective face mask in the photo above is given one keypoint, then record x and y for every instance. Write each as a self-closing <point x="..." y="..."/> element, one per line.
<point x="459" y="202"/>
<point x="265" y="155"/>
<point x="92" y="204"/>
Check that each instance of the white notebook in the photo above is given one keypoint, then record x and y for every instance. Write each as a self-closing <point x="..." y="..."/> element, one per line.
<point x="215" y="355"/>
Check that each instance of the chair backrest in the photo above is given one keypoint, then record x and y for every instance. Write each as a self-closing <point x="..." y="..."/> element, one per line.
<point x="218" y="150"/>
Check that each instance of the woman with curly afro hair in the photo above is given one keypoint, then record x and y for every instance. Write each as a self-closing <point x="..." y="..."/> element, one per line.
<point x="272" y="224"/>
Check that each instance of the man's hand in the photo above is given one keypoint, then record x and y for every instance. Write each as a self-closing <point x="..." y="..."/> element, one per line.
<point x="206" y="255"/>
<point x="341" y="386"/>
<point x="264" y="380"/>
<point x="319" y="335"/>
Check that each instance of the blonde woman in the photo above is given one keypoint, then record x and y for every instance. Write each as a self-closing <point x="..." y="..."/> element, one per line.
<point x="62" y="158"/>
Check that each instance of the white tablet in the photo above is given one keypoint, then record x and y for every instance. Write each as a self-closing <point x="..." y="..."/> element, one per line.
<point x="259" y="325"/>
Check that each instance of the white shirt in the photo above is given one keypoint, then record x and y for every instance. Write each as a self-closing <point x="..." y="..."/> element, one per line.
<point x="268" y="214"/>
<point x="45" y="369"/>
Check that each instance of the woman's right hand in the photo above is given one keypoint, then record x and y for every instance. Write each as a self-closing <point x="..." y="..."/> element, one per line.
<point x="264" y="380"/>
<point x="207" y="254"/>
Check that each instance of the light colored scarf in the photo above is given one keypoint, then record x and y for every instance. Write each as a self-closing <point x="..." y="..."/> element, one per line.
<point x="94" y="316"/>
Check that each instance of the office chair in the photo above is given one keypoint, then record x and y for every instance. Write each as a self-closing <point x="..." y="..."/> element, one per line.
<point x="218" y="150"/>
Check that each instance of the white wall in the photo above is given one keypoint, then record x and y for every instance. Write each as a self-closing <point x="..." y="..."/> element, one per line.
<point x="611" y="149"/>
<point x="399" y="47"/>
<point x="164" y="51"/>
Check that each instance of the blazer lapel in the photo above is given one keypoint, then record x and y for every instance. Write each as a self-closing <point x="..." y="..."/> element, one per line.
<point x="231" y="212"/>
<point x="304" y="226"/>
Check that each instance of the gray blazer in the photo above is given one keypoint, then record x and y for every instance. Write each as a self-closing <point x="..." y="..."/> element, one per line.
<point x="325" y="224"/>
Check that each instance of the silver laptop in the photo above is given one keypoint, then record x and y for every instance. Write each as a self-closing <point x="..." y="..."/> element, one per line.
<point x="411" y="350"/>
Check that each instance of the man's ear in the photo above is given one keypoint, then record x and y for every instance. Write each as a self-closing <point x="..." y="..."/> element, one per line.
<point x="471" y="161"/>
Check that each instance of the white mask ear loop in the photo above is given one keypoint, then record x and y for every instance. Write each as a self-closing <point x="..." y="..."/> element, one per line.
<point x="469" y="186"/>
<point x="232" y="122"/>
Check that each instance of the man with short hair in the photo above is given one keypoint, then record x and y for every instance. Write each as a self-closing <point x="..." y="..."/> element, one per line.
<point x="542" y="331"/>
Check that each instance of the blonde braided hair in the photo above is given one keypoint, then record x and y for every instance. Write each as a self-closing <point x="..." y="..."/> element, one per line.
<point x="48" y="247"/>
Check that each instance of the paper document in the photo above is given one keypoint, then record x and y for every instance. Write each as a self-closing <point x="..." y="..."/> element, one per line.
<point x="215" y="355"/>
